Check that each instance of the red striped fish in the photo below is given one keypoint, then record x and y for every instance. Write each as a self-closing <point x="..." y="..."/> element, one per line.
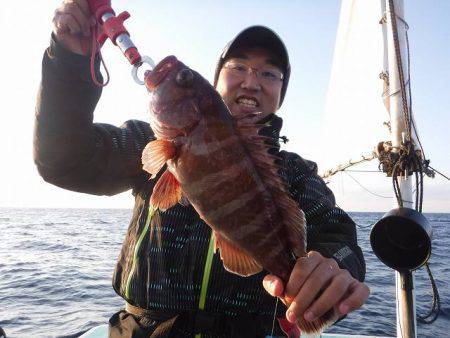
<point x="222" y="166"/>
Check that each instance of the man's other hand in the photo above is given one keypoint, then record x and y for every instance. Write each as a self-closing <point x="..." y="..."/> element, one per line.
<point x="316" y="285"/>
<point x="72" y="24"/>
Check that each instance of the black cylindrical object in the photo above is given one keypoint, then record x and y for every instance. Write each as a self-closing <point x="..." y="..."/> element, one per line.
<point x="401" y="239"/>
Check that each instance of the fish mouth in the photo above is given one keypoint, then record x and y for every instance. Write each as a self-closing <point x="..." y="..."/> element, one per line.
<point x="154" y="77"/>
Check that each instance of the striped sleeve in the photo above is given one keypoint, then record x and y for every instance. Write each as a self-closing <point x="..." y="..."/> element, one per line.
<point x="71" y="151"/>
<point x="330" y="230"/>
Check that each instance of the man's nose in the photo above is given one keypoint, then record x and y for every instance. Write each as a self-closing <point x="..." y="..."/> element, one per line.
<point x="251" y="81"/>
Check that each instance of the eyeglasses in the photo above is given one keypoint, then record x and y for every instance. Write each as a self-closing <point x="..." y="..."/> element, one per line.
<point x="267" y="75"/>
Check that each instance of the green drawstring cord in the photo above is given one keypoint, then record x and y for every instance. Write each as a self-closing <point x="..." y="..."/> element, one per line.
<point x="206" y="275"/>
<point x="151" y="212"/>
<point x="206" y="271"/>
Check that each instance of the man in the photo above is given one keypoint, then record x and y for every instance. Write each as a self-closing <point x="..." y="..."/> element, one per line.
<point x="163" y="286"/>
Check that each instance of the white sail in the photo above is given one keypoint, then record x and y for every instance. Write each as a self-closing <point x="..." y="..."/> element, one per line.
<point x="355" y="114"/>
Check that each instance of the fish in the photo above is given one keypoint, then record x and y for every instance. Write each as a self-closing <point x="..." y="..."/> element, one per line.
<point x="222" y="165"/>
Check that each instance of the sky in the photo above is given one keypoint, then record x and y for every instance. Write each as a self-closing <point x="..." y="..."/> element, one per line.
<point x="196" y="32"/>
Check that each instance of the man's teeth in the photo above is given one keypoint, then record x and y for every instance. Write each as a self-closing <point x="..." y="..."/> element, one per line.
<point x="248" y="102"/>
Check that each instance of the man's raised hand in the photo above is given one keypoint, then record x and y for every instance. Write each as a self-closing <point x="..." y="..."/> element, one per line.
<point x="72" y="24"/>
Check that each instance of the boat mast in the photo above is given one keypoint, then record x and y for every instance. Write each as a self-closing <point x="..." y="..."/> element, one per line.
<point x="396" y="27"/>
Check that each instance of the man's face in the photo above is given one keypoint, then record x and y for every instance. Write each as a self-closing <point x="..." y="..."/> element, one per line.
<point x="246" y="92"/>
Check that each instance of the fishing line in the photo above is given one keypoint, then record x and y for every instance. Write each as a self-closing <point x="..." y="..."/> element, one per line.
<point x="274" y="316"/>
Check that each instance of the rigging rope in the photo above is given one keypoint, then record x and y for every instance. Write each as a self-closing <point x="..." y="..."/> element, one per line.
<point x="363" y="171"/>
<point x="435" y="170"/>
<point x="350" y="163"/>
<point x="409" y="89"/>
<point x="435" y="303"/>
<point x="408" y="160"/>
<point x="370" y="192"/>
<point x="400" y="68"/>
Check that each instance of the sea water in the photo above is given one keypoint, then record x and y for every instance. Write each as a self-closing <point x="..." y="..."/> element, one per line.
<point x="56" y="267"/>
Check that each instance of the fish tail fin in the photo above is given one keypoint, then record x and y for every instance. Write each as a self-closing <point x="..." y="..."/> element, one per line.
<point x="314" y="328"/>
<point x="304" y="328"/>
<point x="291" y="330"/>
<point x="308" y="328"/>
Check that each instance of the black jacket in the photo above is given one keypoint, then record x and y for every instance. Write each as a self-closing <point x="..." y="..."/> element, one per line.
<point x="74" y="153"/>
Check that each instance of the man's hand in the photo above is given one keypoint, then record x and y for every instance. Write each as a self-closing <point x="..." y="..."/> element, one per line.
<point x="316" y="285"/>
<point x="72" y="25"/>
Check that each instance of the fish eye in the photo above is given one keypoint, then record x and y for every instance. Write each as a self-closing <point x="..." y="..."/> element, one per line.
<point x="185" y="77"/>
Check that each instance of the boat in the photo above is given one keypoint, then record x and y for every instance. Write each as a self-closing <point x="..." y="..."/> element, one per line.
<point x="101" y="331"/>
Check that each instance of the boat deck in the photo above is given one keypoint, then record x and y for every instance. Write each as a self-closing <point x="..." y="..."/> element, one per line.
<point x="101" y="331"/>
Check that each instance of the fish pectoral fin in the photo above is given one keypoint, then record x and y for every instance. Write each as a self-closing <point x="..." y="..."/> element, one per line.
<point x="166" y="193"/>
<point x="155" y="155"/>
<point x="234" y="259"/>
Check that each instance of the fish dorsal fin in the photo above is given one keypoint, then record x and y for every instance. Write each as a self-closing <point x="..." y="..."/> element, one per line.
<point x="166" y="193"/>
<point x="293" y="217"/>
<point x="155" y="155"/>
<point x="234" y="259"/>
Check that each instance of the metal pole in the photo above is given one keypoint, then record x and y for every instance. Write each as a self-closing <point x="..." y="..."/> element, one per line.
<point x="404" y="281"/>
<point x="406" y="309"/>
